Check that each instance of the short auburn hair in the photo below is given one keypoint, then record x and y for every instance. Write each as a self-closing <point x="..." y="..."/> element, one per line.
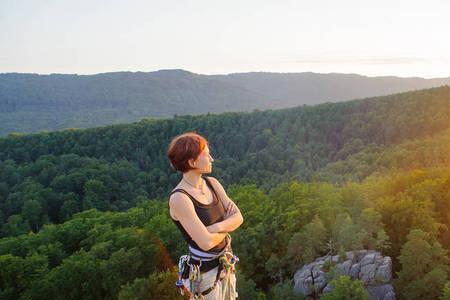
<point x="184" y="147"/>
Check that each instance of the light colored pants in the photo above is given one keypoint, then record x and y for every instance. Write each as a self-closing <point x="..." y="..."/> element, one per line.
<point x="221" y="291"/>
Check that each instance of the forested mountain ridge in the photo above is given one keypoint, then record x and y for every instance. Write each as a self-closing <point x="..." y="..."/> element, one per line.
<point x="31" y="102"/>
<point x="104" y="190"/>
<point x="338" y="129"/>
<point x="425" y="153"/>
<point x="315" y="88"/>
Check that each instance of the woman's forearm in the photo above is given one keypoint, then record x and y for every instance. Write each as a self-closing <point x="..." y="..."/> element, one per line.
<point x="215" y="239"/>
<point x="228" y="225"/>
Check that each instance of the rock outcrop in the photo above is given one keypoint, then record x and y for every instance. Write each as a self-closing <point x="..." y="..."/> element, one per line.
<point x="369" y="266"/>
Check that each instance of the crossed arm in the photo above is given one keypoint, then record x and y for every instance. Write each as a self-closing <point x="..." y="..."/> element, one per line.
<point x="183" y="210"/>
<point x="233" y="216"/>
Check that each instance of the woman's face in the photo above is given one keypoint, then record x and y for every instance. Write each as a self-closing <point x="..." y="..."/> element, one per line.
<point x="203" y="161"/>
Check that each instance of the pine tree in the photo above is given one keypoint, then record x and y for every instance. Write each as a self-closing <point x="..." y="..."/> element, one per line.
<point x="344" y="288"/>
<point x="446" y="292"/>
<point x="424" y="267"/>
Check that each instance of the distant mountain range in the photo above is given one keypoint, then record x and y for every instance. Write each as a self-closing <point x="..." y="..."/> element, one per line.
<point x="32" y="102"/>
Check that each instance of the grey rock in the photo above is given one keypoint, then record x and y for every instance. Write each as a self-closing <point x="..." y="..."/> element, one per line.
<point x="335" y="258"/>
<point x="317" y="273"/>
<point x="368" y="259"/>
<point x="383" y="273"/>
<point x="304" y="281"/>
<point x="354" y="271"/>
<point x="381" y="292"/>
<point x="350" y="255"/>
<point x="379" y="259"/>
<point x="327" y="289"/>
<point x="360" y="254"/>
<point x="389" y="295"/>
<point x="367" y="273"/>
<point x="344" y="268"/>
<point x="320" y="282"/>
<point x="369" y="266"/>
<point x="303" y="287"/>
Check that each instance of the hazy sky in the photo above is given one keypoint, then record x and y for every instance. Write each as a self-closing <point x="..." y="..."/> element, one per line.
<point x="403" y="38"/>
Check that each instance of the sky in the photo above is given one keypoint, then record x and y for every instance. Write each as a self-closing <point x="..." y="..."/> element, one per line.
<point x="372" y="38"/>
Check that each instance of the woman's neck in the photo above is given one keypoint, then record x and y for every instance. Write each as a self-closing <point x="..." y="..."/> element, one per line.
<point x="194" y="179"/>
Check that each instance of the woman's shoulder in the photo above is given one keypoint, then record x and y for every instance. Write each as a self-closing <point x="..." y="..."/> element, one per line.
<point x="178" y="191"/>
<point x="211" y="180"/>
<point x="178" y="196"/>
<point x="214" y="182"/>
<point x="179" y="203"/>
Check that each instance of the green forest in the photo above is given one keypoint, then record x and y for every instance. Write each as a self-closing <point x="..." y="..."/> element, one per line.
<point x="83" y="213"/>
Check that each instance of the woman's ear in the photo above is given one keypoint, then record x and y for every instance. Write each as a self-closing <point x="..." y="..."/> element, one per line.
<point x="191" y="162"/>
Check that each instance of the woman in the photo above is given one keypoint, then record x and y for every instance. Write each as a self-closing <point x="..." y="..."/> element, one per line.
<point x="202" y="211"/>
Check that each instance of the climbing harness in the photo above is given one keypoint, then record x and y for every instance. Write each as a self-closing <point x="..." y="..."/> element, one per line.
<point x="189" y="267"/>
<point x="227" y="261"/>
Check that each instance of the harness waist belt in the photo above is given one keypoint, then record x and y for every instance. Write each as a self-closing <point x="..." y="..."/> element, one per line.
<point x="208" y="256"/>
<point x="204" y="256"/>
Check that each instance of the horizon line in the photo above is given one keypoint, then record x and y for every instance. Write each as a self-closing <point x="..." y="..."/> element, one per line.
<point x="224" y="74"/>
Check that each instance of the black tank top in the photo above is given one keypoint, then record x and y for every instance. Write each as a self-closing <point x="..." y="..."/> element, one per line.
<point x="207" y="213"/>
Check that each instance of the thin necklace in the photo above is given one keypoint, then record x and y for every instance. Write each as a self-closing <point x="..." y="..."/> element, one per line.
<point x="200" y="188"/>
